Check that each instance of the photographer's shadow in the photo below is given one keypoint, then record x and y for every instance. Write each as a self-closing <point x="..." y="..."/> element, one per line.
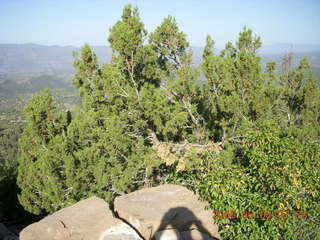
<point x="184" y="222"/>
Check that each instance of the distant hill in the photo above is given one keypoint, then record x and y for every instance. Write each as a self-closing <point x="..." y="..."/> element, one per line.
<point x="282" y="48"/>
<point x="34" y="58"/>
<point x="12" y="85"/>
<point x="313" y="58"/>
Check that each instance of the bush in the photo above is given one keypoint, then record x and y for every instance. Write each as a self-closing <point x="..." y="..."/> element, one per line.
<point x="270" y="192"/>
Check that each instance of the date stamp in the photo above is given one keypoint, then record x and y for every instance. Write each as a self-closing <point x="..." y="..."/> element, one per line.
<point x="263" y="214"/>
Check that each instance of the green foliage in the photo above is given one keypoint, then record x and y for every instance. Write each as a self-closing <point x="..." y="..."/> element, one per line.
<point x="110" y="147"/>
<point x="8" y="171"/>
<point x="309" y="116"/>
<point x="233" y="93"/>
<point x="127" y="36"/>
<point x="8" y="151"/>
<point x="39" y="160"/>
<point x="134" y="59"/>
<point x="169" y="43"/>
<point x="247" y="140"/>
<point x="273" y="173"/>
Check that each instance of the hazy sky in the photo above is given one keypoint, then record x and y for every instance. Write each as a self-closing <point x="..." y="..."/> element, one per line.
<point x="74" y="22"/>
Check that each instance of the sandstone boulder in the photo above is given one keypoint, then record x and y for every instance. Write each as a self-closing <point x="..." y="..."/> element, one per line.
<point x="165" y="207"/>
<point x="90" y="219"/>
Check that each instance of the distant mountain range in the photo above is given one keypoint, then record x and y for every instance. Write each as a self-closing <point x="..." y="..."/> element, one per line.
<point x="34" y="58"/>
<point x="282" y="48"/>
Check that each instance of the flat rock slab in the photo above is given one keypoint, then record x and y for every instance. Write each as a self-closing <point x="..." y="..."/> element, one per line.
<point x="88" y="219"/>
<point x="155" y="209"/>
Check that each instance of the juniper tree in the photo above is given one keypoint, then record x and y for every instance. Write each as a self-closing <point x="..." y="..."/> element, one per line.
<point x="311" y="111"/>
<point x="143" y="111"/>
<point x="108" y="141"/>
<point x="170" y="43"/>
<point x="115" y="139"/>
<point x="88" y="77"/>
<point x="292" y="96"/>
<point x="233" y="92"/>
<point x="42" y="146"/>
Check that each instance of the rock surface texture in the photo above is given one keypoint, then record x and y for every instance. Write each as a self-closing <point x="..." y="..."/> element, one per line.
<point x="167" y="212"/>
<point x="164" y="207"/>
<point x="90" y="219"/>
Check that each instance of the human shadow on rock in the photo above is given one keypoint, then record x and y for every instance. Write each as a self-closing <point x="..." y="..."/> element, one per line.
<point x="184" y="221"/>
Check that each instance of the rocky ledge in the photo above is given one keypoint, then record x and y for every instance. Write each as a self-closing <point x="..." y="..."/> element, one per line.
<point x="167" y="212"/>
